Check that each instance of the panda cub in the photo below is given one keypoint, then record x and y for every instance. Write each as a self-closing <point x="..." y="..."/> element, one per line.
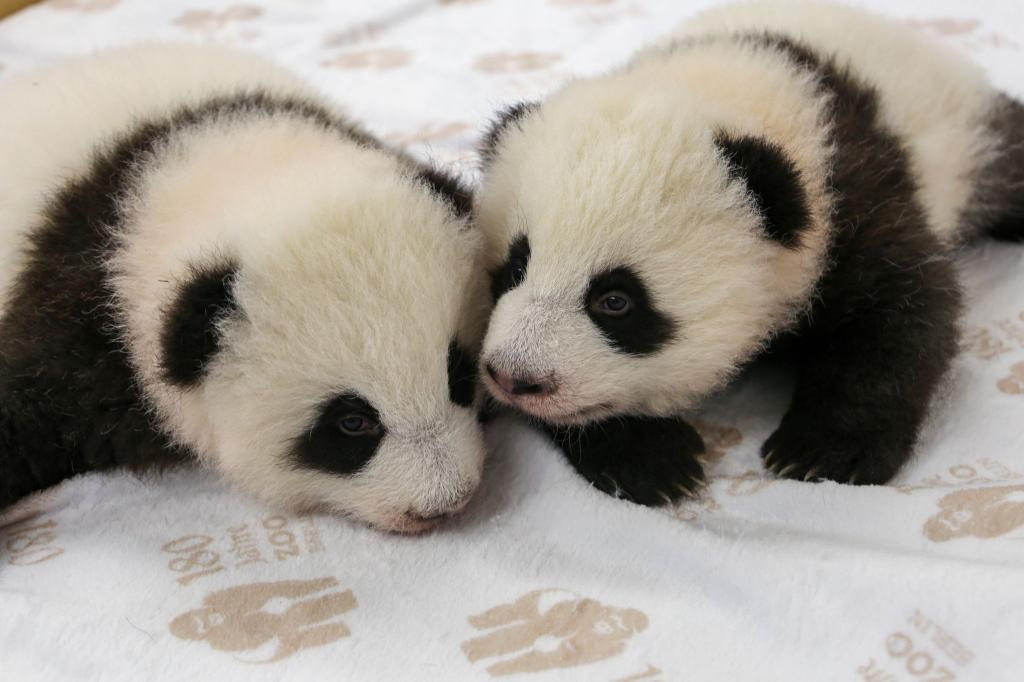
<point x="202" y="258"/>
<point x="783" y="173"/>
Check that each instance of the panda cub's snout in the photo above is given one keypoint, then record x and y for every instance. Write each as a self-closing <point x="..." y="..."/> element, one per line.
<point x="564" y="342"/>
<point x="514" y="385"/>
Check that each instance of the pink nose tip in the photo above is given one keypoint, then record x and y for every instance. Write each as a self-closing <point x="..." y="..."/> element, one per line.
<point x="520" y="385"/>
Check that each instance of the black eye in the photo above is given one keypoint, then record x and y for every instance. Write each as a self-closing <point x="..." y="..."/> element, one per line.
<point x="357" y="425"/>
<point x="618" y="304"/>
<point x="513" y="271"/>
<point x="517" y="272"/>
<point x="614" y="303"/>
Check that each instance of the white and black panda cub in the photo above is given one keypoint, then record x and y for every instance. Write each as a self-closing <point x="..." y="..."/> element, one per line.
<point x="782" y="171"/>
<point x="201" y="257"/>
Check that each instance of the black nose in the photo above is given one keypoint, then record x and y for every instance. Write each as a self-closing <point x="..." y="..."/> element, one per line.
<point x="520" y="385"/>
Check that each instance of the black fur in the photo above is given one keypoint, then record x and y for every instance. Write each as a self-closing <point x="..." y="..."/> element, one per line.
<point x="189" y="338"/>
<point x="641" y="332"/>
<point x="450" y="190"/>
<point x="883" y="328"/>
<point x="461" y="376"/>
<point x="513" y="271"/>
<point x="509" y="116"/>
<point x="997" y="207"/>
<point x="647" y="460"/>
<point x="774" y="184"/>
<point x="68" y="400"/>
<point x="325" y="447"/>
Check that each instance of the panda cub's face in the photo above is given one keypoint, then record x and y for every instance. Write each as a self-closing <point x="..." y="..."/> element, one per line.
<point x="324" y="355"/>
<point x="633" y="264"/>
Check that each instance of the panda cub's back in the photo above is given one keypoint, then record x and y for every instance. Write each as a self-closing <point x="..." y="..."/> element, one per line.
<point x="76" y="107"/>
<point x="936" y="101"/>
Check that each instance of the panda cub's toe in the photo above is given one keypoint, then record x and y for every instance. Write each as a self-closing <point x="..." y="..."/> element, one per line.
<point x="648" y="460"/>
<point x="815" y="449"/>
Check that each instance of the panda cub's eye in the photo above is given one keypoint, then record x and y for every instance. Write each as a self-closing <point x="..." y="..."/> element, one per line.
<point x="512" y="272"/>
<point x="613" y="304"/>
<point x="357" y="425"/>
<point x="517" y="271"/>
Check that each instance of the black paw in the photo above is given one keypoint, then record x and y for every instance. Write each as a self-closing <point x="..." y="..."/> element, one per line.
<point x="818" y="446"/>
<point x="647" y="460"/>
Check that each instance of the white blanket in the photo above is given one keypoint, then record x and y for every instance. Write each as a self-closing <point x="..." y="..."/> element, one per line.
<point x="110" y="577"/>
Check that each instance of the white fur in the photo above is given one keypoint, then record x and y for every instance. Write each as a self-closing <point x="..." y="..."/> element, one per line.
<point x="932" y="97"/>
<point x="622" y="170"/>
<point x="353" y="278"/>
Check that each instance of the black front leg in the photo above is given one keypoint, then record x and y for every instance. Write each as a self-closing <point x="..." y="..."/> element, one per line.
<point x="647" y="460"/>
<point x="879" y="343"/>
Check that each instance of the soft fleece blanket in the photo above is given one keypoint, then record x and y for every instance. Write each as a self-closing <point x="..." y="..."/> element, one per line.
<point x="111" y="577"/>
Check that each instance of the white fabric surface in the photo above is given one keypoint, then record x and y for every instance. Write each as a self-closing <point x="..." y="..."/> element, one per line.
<point x="106" y="576"/>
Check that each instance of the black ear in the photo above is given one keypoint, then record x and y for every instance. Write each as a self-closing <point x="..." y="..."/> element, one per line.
<point x="774" y="183"/>
<point x="459" y="197"/>
<point x="189" y="338"/>
<point x="510" y="116"/>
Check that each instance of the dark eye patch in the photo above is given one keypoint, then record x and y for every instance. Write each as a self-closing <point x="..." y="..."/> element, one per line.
<point x="642" y="330"/>
<point x="461" y="375"/>
<point x="334" y="444"/>
<point x="513" y="271"/>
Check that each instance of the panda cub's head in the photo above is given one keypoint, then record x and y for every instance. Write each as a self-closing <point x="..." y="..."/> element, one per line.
<point x="321" y="350"/>
<point x="642" y="245"/>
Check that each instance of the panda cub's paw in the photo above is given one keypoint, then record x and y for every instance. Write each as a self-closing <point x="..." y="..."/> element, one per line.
<point x="812" y="447"/>
<point x="648" y="460"/>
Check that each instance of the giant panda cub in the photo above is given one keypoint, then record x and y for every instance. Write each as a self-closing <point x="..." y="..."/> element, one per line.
<point x="201" y="257"/>
<point x="782" y="172"/>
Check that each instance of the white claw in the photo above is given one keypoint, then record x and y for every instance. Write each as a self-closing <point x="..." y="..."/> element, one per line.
<point x="812" y="474"/>
<point x="788" y="469"/>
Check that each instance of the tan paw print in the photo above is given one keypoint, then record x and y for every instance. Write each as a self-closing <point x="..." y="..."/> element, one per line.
<point x="964" y="30"/>
<point x="429" y="132"/>
<point x="509" y="62"/>
<point x="947" y="26"/>
<point x="209" y="20"/>
<point x="977" y="512"/>
<point x="550" y="629"/>
<point x="381" y="59"/>
<point x="302" y="615"/>
<point x="1013" y="384"/>
<point x="84" y="5"/>
<point x="717" y="438"/>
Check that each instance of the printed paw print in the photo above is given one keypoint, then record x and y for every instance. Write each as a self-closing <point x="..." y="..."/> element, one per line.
<point x="509" y="62"/>
<point x="977" y="512"/>
<point x="429" y="132"/>
<point x="964" y="30"/>
<point x="237" y="619"/>
<point x="84" y="5"/>
<point x="381" y="59"/>
<point x="209" y="20"/>
<point x="550" y="629"/>
<point x="1014" y="383"/>
<point x="717" y="439"/>
<point x="947" y="26"/>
